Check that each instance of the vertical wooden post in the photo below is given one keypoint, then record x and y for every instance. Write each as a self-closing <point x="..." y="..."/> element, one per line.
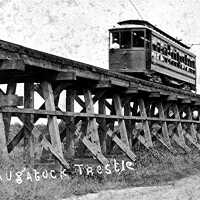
<point x="28" y="137"/>
<point x="91" y="139"/>
<point x="180" y="140"/>
<point x="52" y="120"/>
<point x="11" y="88"/>
<point x="3" y="147"/>
<point x="164" y="125"/>
<point x="102" y="131"/>
<point x="145" y="123"/>
<point x="92" y="130"/>
<point x="192" y="128"/>
<point x="69" y="146"/>
<point x="127" y="112"/>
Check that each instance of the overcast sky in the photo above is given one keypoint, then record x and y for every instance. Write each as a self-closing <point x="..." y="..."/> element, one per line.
<point x="77" y="29"/>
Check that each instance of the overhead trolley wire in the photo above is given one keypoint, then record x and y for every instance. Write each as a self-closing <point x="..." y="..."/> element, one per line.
<point x="136" y="9"/>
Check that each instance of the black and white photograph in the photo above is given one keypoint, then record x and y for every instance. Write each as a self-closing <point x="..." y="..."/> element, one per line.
<point x="99" y="100"/>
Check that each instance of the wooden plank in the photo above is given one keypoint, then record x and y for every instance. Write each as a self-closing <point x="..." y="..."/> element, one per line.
<point x="3" y="148"/>
<point x="65" y="76"/>
<point x="52" y="120"/>
<point x="180" y="138"/>
<point x="93" y="148"/>
<point x="28" y="137"/>
<point x="13" y="64"/>
<point x="126" y="100"/>
<point x="181" y="144"/>
<point x="11" y="88"/>
<point x="17" y="138"/>
<point x="165" y="132"/>
<point x="186" y="101"/>
<point x="79" y="101"/>
<point x="161" y="139"/>
<point x="62" y="115"/>
<point x="70" y="143"/>
<point x="122" y="145"/>
<point x="146" y="129"/>
<point x="102" y="123"/>
<point x="92" y="130"/>
<point x="192" y="128"/>
<point x="108" y="105"/>
<point x="98" y="96"/>
<point x="128" y="123"/>
<point x="131" y="90"/>
<point x="119" y="83"/>
<point x="48" y="146"/>
<point x="10" y="100"/>
<point x="103" y="84"/>
<point x="154" y="95"/>
<point x="172" y="98"/>
<point x="122" y="127"/>
<point x="91" y="139"/>
<point x="191" y="139"/>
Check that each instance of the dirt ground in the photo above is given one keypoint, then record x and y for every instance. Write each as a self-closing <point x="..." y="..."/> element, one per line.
<point x="184" y="189"/>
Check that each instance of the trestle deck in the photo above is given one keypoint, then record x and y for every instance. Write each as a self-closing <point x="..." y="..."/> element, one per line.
<point x="130" y="111"/>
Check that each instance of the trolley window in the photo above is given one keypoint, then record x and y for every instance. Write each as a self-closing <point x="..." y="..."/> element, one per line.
<point x="138" y="38"/>
<point x="115" y="37"/>
<point x="125" y="39"/>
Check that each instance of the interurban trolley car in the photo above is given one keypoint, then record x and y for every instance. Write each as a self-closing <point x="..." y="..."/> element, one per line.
<point x="141" y="49"/>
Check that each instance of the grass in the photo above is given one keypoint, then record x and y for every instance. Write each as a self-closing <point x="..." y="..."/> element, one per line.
<point x="148" y="171"/>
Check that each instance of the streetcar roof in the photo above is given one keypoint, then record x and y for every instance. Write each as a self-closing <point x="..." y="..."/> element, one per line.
<point x="146" y="24"/>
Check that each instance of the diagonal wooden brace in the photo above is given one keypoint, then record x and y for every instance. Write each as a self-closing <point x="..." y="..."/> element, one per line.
<point x="92" y="130"/>
<point x="122" y="146"/>
<point x="52" y="120"/>
<point x="180" y="140"/>
<point x="147" y="133"/>
<point x="47" y="145"/>
<point x="122" y="126"/>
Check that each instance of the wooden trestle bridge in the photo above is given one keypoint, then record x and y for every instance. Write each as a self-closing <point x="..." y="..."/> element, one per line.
<point x="130" y="110"/>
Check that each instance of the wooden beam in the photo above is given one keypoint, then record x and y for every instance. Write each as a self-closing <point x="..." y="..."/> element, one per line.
<point x="28" y="137"/>
<point x="102" y="123"/>
<point x="108" y="105"/>
<point x="128" y="123"/>
<point x="179" y="139"/>
<point x="62" y="115"/>
<point x="122" y="127"/>
<point x="48" y="146"/>
<point x="119" y="83"/>
<point x="131" y="90"/>
<point x="11" y="88"/>
<point x="65" y="76"/>
<point x="154" y="95"/>
<point x="52" y="120"/>
<point x="186" y="101"/>
<point x="165" y="132"/>
<point x="146" y="129"/>
<point x="122" y="145"/>
<point x="91" y="140"/>
<point x="79" y="101"/>
<point x="10" y="100"/>
<point x="172" y="97"/>
<point x="13" y="64"/>
<point x="103" y="84"/>
<point x="3" y="148"/>
<point x="193" y="131"/>
<point x="98" y="96"/>
<point x="70" y="143"/>
<point x="92" y="130"/>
